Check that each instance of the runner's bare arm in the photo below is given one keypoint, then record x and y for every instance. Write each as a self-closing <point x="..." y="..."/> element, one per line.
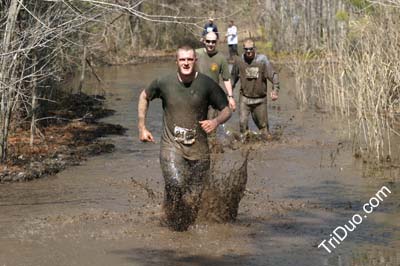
<point x="143" y="105"/>
<point x="231" y="100"/>
<point x="210" y="125"/>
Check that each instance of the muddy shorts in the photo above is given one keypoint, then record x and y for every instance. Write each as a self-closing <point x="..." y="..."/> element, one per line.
<point x="257" y="107"/>
<point x="184" y="184"/>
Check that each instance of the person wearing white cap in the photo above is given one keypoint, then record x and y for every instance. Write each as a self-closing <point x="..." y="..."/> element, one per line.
<point x="210" y="26"/>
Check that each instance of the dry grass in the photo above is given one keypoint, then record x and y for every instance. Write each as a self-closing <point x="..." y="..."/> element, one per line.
<point x="360" y="80"/>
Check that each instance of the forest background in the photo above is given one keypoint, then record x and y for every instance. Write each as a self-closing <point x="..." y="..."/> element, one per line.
<point x="344" y="55"/>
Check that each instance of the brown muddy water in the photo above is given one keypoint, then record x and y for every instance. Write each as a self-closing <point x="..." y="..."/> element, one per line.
<point x="300" y="188"/>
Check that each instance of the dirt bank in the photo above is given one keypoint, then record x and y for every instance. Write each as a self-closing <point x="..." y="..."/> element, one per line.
<point x="70" y="136"/>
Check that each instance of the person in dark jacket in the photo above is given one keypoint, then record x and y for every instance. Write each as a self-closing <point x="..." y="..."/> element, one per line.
<point x="210" y="26"/>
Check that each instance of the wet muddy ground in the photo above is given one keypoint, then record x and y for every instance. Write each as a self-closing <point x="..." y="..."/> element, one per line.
<point x="301" y="186"/>
<point x="66" y="138"/>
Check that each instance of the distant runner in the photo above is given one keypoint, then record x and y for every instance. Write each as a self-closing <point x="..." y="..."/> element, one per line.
<point x="213" y="64"/>
<point x="254" y="70"/>
<point x="210" y="26"/>
<point x="232" y="39"/>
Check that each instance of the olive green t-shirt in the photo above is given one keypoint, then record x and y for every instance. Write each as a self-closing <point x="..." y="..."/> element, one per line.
<point x="212" y="65"/>
<point x="184" y="106"/>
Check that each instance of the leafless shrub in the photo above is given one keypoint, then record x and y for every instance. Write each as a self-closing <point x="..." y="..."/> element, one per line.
<point x="362" y="82"/>
<point x="44" y="40"/>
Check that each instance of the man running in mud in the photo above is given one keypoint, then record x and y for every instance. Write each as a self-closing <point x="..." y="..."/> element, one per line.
<point x="214" y="64"/>
<point x="254" y="70"/>
<point x="184" y="155"/>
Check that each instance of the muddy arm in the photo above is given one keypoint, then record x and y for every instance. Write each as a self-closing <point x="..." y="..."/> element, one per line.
<point x="234" y="75"/>
<point x="143" y="105"/>
<point x="274" y="78"/>
<point x="272" y="75"/>
<point x="209" y="125"/>
<point x="223" y="115"/>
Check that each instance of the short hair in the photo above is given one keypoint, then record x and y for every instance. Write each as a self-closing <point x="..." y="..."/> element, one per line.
<point x="249" y="40"/>
<point x="185" y="47"/>
<point x="211" y="33"/>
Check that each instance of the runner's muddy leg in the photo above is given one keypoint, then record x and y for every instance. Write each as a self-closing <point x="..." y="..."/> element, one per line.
<point x="260" y="117"/>
<point x="184" y="183"/>
<point x="244" y="112"/>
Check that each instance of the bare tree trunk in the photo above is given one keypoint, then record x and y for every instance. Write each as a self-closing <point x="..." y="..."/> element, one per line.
<point x="6" y="77"/>
<point x="34" y="103"/>
<point x="83" y="67"/>
<point x="135" y="28"/>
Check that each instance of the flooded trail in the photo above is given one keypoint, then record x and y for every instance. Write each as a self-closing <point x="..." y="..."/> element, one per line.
<point x="300" y="188"/>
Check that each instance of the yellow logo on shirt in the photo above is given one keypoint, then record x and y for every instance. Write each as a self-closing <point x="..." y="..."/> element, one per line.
<point x="214" y="67"/>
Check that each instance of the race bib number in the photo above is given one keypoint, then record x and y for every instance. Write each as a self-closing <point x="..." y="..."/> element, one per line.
<point x="184" y="135"/>
<point x="252" y="72"/>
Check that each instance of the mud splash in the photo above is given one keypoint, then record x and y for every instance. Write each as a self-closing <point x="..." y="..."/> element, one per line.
<point x="228" y="178"/>
<point x="225" y="187"/>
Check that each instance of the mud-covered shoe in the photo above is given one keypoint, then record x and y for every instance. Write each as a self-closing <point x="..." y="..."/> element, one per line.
<point x="244" y="137"/>
<point x="267" y="136"/>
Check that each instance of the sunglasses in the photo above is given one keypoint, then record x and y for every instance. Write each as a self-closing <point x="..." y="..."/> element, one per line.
<point x="249" y="49"/>
<point x="211" y="41"/>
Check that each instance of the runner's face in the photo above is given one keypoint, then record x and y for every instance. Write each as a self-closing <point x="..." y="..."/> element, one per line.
<point x="249" y="50"/>
<point x="210" y="43"/>
<point x="185" y="61"/>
